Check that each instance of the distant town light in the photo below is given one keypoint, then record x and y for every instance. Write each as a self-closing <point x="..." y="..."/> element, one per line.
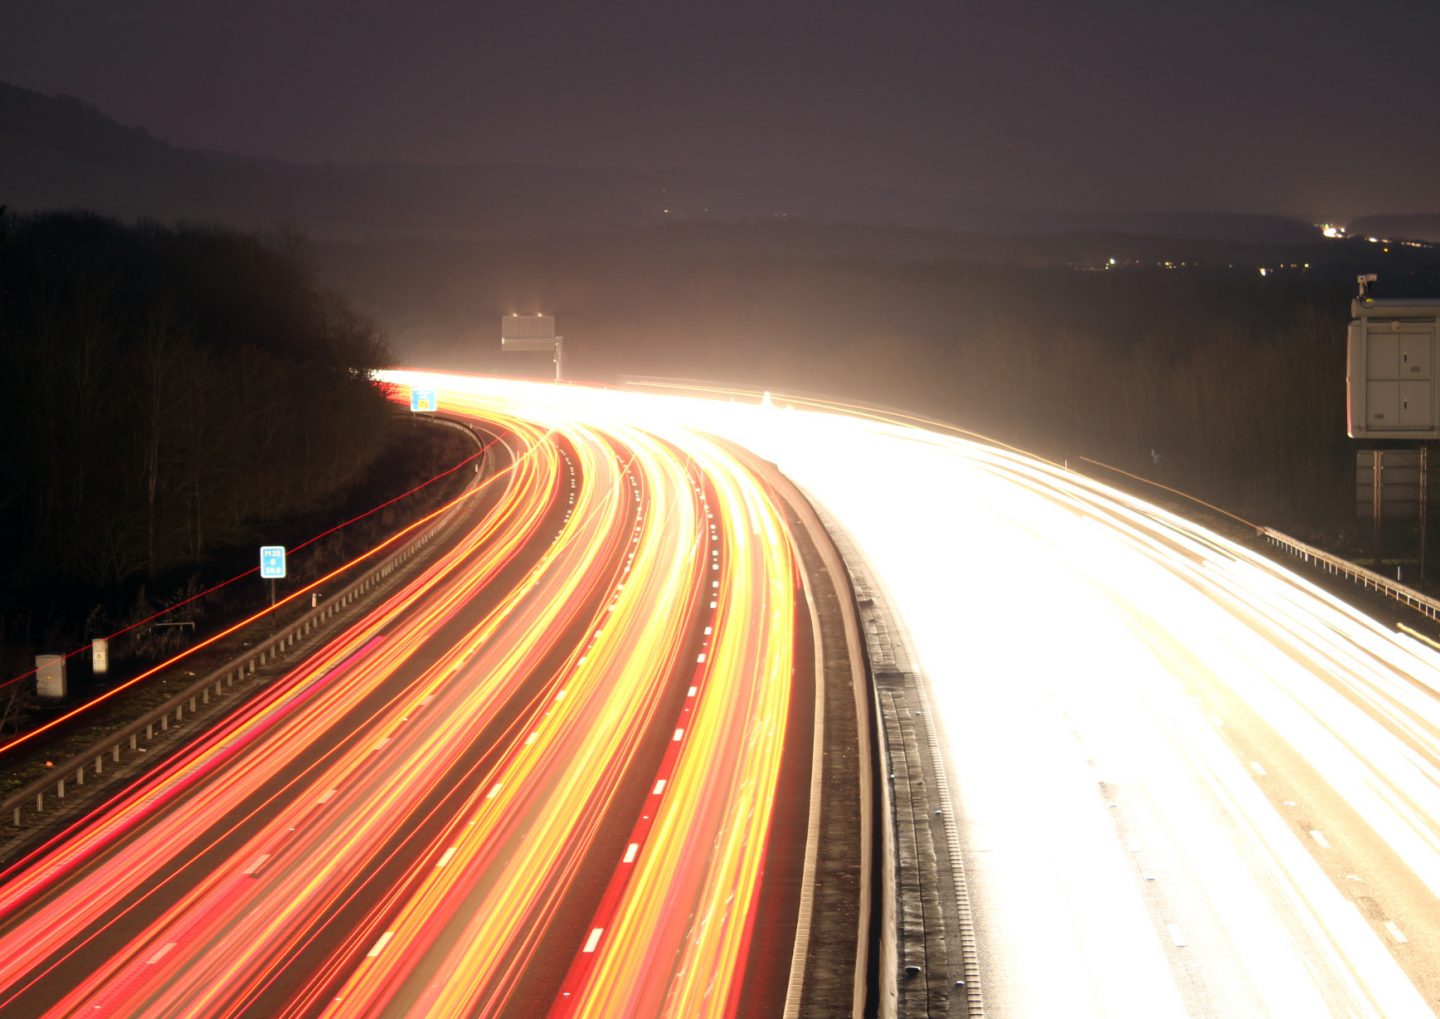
<point x="1330" y="230"/>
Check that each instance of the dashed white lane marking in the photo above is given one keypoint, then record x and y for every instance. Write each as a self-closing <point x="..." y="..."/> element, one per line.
<point x="1258" y="768"/>
<point x="325" y="798"/>
<point x="693" y="691"/>
<point x="1395" y="932"/>
<point x="531" y="738"/>
<point x="659" y="788"/>
<point x="708" y="630"/>
<point x="381" y="745"/>
<point x="164" y="951"/>
<point x="254" y="868"/>
<point x="630" y="852"/>
<point x="593" y="939"/>
<point x="1320" y="839"/>
<point x="380" y="945"/>
<point x="449" y="855"/>
<point x="1176" y="934"/>
<point x="1132" y="842"/>
<point x="679" y="735"/>
<point x="494" y="791"/>
<point x="700" y="659"/>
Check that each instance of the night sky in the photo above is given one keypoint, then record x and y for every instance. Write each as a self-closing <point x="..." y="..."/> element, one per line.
<point x="1305" y="107"/>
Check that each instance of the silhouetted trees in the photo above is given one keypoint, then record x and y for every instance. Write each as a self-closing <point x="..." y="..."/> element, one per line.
<point x="166" y="391"/>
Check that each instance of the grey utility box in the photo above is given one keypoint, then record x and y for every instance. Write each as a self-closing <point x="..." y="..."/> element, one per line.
<point x="1390" y="373"/>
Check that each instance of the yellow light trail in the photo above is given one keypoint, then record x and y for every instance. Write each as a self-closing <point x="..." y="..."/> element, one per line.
<point x="415" y="859"/>
<point x="1187" y="780"/>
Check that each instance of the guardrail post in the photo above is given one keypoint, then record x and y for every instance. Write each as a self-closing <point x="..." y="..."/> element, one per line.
<point x="60" y="790"/>
<point x="80" y="775"/>
<point x="39" y="803"/>
<point x="99" y="764"/>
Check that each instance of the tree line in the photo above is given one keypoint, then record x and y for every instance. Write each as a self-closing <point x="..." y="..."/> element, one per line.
<point x="165" y="392"/>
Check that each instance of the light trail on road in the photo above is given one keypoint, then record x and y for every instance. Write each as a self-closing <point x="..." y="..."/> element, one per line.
<point x="1189" y="782"/>
<point x="538" y="775"/>
<point x="1186" y="781"/>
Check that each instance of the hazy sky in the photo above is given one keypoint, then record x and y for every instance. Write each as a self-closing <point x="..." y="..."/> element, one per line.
<point x="1308" y="107"/>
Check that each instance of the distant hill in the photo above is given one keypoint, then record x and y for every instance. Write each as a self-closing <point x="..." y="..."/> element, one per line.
<point x="62" y="153"/>
<point x="1412" y="227"/>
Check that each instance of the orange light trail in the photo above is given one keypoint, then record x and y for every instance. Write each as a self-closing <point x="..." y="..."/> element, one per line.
<point x="406" y="822"/>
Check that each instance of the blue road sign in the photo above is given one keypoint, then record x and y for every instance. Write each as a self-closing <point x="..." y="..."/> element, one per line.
<point x="272" y="562"/>
<point x="422" y="399"/>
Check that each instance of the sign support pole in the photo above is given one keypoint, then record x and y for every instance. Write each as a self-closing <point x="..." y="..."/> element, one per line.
<point x="1424" y="504"/>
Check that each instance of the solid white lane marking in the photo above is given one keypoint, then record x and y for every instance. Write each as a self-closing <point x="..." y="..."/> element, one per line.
<point x="593" y="939"/>
<point x="1320" y="839"/>
<point x="380" y="945"/>
<point x="1395" y="932"/>
<point x="449" y="855"/>
<point x="164" y="951"/>
<point x="630" y="852"/>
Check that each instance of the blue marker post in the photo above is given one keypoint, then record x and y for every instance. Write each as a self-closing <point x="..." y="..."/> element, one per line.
<point x="272" y="566"/>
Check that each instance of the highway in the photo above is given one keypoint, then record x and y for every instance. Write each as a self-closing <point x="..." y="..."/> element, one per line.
<point x="538" y="778"/>
<point x="1185" y="781"/>
<point x="1188" y="782"/>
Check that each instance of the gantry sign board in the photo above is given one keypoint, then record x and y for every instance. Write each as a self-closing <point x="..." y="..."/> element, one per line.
<point x="423" y="400"/>
<point x="1390" y="375"/>
<point x="527" y="332"/>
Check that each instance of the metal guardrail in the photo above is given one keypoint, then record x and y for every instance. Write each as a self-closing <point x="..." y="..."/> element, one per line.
<point x="1421" y="603"/>
<point x="47" y="794"/>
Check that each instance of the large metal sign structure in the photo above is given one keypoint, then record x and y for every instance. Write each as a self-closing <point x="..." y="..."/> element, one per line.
<point x="531" y="333"/>
<point x="1390" y="376"/>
